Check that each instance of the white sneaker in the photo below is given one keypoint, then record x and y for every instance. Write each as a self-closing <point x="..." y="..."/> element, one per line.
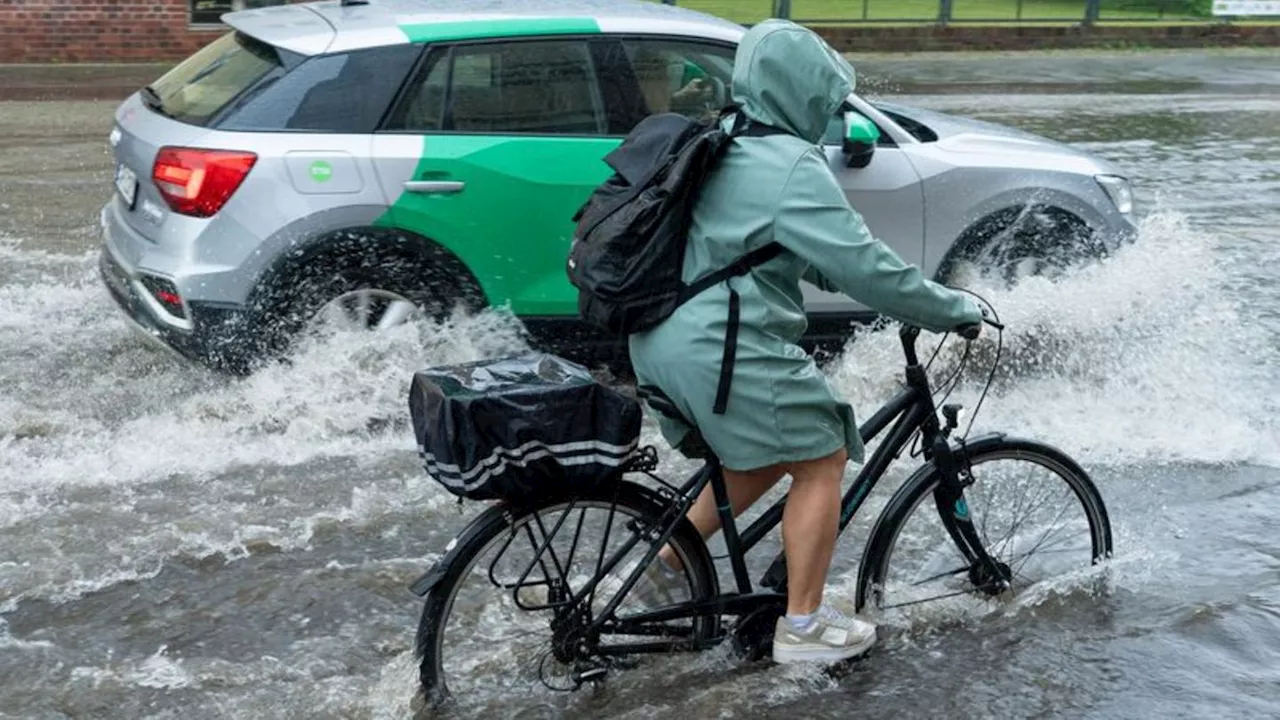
<point x="831" y="636"/>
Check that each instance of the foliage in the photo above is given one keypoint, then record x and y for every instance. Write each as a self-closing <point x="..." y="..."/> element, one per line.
<point x="1190" y="8"/>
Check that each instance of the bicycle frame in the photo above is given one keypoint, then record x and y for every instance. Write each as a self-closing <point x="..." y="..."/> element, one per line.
<point x="910" y="410"/>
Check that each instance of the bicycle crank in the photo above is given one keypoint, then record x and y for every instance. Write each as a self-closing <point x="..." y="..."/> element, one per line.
<point x="753" y="634"/>
<point x="588" y="672"/>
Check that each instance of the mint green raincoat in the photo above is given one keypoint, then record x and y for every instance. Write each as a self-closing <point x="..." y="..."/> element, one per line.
<point x="779" y="188"/>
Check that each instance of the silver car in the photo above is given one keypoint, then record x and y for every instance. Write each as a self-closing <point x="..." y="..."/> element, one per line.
<point x="375" y="161"/>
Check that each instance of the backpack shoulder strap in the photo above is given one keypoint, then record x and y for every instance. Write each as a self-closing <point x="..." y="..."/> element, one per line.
<point x="759" y="129"/>
<point x="759" y="256"/>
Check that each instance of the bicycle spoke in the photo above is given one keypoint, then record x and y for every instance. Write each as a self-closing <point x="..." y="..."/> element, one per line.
<point x="957" y="593"/>
<point x="1013" y="498"/>
<point x="941" y="575"/>
<point x="1038" y="543"/>
<point x="1018" y="525"/>
<point x="1014" y="528"/>
<point x="489" y="644"/>
<point x="577" y="534"/>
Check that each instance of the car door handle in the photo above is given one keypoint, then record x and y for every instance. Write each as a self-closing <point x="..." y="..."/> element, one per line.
<point x="441" y="187"/>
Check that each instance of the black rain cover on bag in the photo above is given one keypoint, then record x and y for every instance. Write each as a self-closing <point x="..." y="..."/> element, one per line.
<point x="521" y="428"/>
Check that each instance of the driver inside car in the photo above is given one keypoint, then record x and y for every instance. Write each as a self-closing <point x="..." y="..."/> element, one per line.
<point x="670" y="84"/>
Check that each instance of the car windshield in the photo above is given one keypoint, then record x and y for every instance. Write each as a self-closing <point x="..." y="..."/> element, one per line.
<point x="205" y="83"/>
<point x="835" y="129"/>
<point x="917" y="129"/>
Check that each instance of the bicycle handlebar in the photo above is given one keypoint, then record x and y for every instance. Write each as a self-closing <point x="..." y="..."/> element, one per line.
<point x="969" y="331"/>
<point x="972" y="330"/>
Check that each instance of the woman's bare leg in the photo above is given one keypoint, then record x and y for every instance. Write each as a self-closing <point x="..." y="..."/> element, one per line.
<point x="810" y="522"/>
<point x="743" y="487"/>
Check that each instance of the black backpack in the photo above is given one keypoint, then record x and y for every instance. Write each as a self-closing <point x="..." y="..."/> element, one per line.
<point x="629" y="243"/>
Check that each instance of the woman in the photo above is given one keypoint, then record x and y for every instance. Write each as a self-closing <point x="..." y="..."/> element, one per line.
<point x="782" y="417"/>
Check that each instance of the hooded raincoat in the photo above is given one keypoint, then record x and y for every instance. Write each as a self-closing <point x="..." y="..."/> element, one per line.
<point x="778" y="188"/>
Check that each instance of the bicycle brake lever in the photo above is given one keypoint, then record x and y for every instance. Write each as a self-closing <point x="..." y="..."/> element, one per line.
<point x="986" y="318"/>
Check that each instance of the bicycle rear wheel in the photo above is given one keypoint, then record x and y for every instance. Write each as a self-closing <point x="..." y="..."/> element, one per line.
<point x="499" y="625"/>
<point x="1035" y="510"/>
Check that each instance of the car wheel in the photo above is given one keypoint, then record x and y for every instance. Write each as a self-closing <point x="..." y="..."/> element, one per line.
<point x="364" y="309"/>
<point x="1022" y="242"/>
<point x="371" y="296"/>
<point x="371" y="288"/>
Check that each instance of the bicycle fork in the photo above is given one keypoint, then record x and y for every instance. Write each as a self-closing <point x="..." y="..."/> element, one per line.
<point x="985" y="572"/>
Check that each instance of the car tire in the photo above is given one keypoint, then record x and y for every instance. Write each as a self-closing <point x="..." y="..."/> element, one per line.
<point x="1016" y="243"/>
<point x="436" y="284"/>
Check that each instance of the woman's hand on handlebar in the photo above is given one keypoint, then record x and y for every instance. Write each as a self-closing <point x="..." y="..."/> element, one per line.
<point x="971" y="331"/>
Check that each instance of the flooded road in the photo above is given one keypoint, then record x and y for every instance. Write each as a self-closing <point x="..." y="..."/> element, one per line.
<point x="178" y="544"/>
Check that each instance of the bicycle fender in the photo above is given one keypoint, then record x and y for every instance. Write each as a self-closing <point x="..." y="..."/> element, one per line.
<point x="978" y="443"/>
<point x="428" y="580"/>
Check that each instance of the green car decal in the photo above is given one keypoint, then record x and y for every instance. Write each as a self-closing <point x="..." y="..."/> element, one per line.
<point x="498" y="27"/>
<point x="512" y="223"/>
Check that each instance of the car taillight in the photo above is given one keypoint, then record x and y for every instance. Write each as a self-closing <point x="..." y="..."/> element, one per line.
<point x="199" y="182"/>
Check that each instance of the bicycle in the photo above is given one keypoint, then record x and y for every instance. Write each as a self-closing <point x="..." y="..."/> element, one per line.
<point x="581" y="610"/>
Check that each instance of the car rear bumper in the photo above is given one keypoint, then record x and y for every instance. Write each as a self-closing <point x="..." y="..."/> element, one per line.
<point x="215" y="337"/>
<point x="120" y="286"/>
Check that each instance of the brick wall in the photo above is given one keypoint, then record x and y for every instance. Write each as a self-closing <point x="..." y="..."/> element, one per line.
<point x="38" y="31"/>
<point x="98" y="30"/>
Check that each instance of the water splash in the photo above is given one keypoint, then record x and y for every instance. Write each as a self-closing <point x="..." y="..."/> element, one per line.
<point x="115" y="459"/>
<point x="1149" y="357"/>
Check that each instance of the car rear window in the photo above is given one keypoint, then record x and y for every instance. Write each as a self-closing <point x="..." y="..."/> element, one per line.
<point x="198" y="88"/>
<point x="344" y="92"/>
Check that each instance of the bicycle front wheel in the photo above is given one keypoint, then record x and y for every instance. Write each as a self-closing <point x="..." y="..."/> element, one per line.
<point x="1035" y="511"/>
<point x="501" y="622"/>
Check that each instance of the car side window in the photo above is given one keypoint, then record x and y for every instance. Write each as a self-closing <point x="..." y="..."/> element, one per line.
<point x="540" y="87"/>
<point x="682" y="76"/>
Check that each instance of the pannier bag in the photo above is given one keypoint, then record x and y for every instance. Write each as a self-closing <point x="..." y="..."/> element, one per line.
<point x="521" y="428"/>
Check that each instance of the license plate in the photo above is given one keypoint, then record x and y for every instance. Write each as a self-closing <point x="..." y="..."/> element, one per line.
<point x="127" y="184"/>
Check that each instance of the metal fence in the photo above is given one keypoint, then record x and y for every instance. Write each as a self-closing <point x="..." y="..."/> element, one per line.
<point x="942" y="12"/>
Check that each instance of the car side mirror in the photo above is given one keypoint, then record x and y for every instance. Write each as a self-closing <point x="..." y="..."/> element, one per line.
<point x="860" y="136"/>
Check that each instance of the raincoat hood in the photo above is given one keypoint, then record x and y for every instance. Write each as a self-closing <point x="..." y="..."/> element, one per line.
<point x="787" y="76"/>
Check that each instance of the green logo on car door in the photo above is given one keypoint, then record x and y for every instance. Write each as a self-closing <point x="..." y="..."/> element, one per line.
<point x="321" y="171"/>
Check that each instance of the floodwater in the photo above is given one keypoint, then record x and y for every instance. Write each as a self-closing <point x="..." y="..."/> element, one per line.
<point x="178" y="544"/>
